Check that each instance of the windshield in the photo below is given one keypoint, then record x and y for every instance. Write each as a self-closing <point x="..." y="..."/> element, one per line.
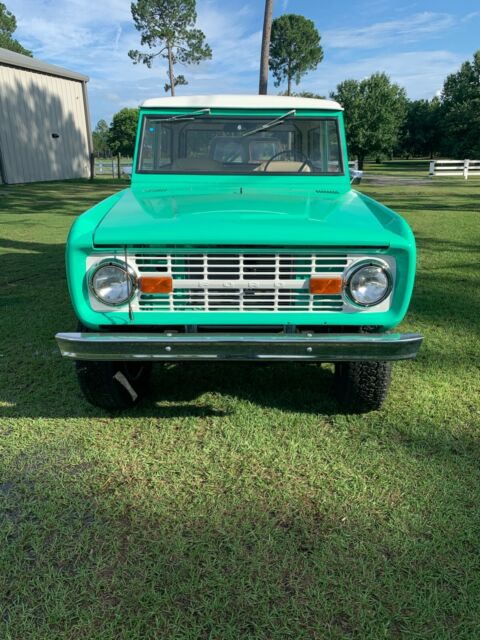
<point x="217" y="145"/>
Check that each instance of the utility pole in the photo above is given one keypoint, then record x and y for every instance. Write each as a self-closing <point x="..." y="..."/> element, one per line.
<point x="265" y="55"/>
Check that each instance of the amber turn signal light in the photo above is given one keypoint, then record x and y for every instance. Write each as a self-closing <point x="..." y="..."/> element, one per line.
<point x="325" y="286"/>
<point x="163" y="284"/>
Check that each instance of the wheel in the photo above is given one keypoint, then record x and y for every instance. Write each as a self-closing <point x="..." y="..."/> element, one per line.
<point x="113" y="385"/>
<point x="362" y="386"/>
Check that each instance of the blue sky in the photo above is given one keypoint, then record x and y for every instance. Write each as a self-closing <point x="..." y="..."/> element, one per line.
<point x="416" y="43"/>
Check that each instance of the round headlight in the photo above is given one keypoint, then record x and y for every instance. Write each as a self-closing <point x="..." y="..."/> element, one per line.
<point x="113" y="283"/>
<point x="369" y="284"/>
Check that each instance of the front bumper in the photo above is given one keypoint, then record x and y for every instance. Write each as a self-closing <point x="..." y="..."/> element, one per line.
<point x="328" y="347"/>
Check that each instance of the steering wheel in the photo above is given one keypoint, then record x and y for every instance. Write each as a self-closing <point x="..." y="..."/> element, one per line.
<point x="293" y="152"/>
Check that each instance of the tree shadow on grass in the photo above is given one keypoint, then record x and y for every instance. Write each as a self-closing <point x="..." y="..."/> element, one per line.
<point x="176" y="391"/>
<point x="423" y="199"/>
<point x="70" y="197"/>
<point x="435" y="245"/>
<point x="424" y="204"/>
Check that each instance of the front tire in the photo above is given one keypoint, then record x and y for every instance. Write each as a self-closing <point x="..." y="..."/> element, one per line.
<point x="113" y="385"/>
<point x="362" y="386"/>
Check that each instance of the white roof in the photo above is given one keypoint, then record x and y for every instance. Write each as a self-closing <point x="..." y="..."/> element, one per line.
<point x="242" y="102"/>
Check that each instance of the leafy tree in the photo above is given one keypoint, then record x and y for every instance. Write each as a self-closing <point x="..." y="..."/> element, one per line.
<point x="267" y="32"/>
<point x="121" y="137"/>
<point x="167" y="27"/>
<point x="461" y="111"/>
<point x="8" y="25"/>
<point x="303" y="94"/>
<point x="294" y="49"/>
<point x="100" y="139"/>
<point x="422" y="131"/>
<point x="375" y="110"/>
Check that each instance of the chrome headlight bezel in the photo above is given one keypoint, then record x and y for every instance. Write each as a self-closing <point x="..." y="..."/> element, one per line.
<point x="358" y="266"/>
<point x="122" y="266"/>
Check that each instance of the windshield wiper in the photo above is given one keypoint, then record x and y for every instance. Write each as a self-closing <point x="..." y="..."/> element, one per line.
<point x="271" y="124"/>
<point x="188" y="116"/>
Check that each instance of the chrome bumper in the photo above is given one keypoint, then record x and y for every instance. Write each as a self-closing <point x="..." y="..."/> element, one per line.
<point x="329" y="347"/>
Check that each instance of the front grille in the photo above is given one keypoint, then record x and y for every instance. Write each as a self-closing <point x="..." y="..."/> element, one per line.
<point x="239" y="282"/>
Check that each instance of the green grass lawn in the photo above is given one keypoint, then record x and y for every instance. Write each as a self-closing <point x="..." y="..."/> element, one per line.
<point x="398" y="168"/>
<point x="240" y="502"/>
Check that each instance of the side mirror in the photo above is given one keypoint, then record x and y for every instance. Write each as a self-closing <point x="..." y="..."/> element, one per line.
<point x="127" y="171"/>
<point x="355" y="176"/>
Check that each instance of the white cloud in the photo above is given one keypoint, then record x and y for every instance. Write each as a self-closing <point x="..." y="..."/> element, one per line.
<point x="230" y="36"/>
<point x="377" y="35"/>
<point x="471" y="16"/>
<point x="420" y="72"/>
<point x="95" y="40"/>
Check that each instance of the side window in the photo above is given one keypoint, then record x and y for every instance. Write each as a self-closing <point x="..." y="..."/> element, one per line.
<point x="324" y="147"/>
<point x="157" y="146"/>
<point x="334" y="155"/>
<point x="146" y="163"/>
<point x="163" y="147"/>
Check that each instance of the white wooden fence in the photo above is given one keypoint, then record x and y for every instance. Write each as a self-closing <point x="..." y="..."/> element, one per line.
<point x="108" y="167"/>
<point x="454" y="168"/>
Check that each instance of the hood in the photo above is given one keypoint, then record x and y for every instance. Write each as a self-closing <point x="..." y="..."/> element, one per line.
<point x="244" y="217"/>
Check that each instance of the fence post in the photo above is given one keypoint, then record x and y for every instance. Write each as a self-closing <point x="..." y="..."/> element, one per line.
<point x="466" y="164"/>
<point x="431" y="170"/>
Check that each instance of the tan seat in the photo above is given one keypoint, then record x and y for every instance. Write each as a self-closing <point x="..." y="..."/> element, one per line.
<point x="284" y="166"/>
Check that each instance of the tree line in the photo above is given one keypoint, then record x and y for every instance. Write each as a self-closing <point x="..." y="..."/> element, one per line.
<point x="380" y="120"/>
<point x="379" y="117"/>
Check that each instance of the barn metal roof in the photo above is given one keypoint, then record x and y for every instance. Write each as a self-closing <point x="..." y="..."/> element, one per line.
<point x="242" y="102"/>
<point x="13" y="59"/>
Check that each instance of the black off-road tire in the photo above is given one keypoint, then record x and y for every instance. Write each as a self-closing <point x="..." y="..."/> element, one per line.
<point x="113" y="385"/>
<point x="362" y="386"/>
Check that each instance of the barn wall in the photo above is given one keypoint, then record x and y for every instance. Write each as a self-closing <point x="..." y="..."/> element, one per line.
<point x="33" y="106"/>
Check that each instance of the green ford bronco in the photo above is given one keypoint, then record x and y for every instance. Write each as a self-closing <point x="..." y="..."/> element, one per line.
<point x="240" y="238"/>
